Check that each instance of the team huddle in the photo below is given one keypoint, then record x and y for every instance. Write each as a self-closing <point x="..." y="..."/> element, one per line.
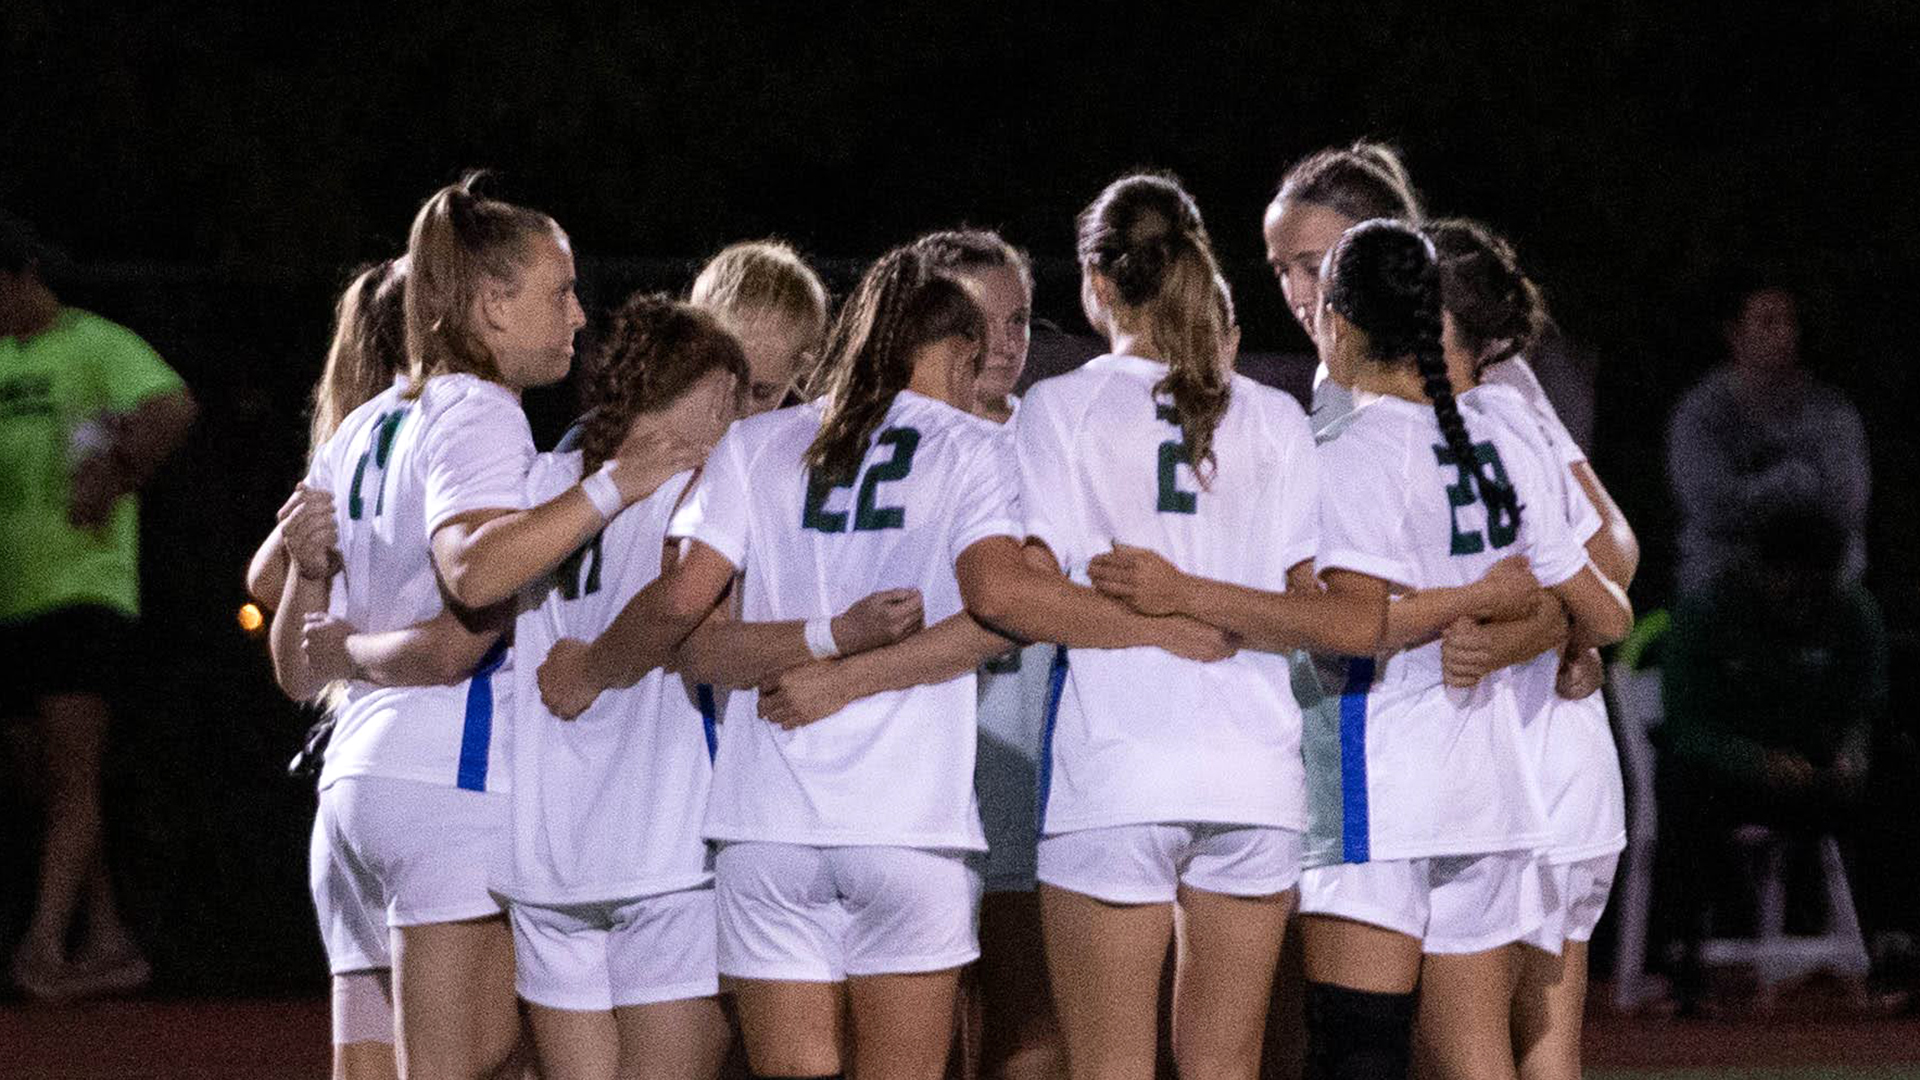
<point x="814" y="666"/>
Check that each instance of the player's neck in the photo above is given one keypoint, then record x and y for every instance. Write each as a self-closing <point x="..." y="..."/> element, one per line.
<point x="1398" y="381"/>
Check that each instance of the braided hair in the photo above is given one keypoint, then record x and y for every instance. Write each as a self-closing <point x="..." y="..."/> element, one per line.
<point x="369" y="347"/>
<point x="1144" y="234"/>
<point x="1385" y="279"/>
<point x="1497" y="310"/>
<point x="653" y="352"/>
<point x="902" y="303"/>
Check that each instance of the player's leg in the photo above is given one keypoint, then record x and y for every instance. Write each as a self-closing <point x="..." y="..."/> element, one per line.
<point x="661" y="959"/>
<point x="1464" y="1025"/>
<point x="434" y="851"/>
<point x="1106" y="905"/>
<point x="780" y="927"/>
<point x="1020" y="1037"/>
<point x="911" y="925"/>
<point x="353" y="926"/>
<point x="1550" y="1006"/>
<point x="1236" y="894"/>
<point x="561" y="972"/>
<point x="1228" y="948"/>
<point x="363" y="1026"/>
<point x="1481" y="908"/>
<point x="1361" y="928"/>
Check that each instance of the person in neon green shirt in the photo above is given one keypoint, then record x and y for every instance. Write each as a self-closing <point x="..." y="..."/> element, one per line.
<point x="87" y="412"/>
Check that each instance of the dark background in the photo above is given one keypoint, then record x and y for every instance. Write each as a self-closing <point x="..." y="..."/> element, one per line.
<point x="215" y="171"/>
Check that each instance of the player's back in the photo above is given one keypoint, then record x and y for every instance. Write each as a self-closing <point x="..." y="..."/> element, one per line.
<point x="398" y="469"/>
<point x="933" y="481"/>
<point x="1140" y="734"/>
<point x="607" y="804"/>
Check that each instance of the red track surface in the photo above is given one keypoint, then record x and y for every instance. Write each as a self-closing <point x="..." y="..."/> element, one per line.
<point x="287" y="1040"/>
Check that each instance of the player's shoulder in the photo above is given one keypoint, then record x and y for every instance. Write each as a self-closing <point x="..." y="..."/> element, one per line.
<point x="1273" y="406"/>
<point x="466" y="393"/>
<point x="750" y="436"/>
<point x="552" y="473"/>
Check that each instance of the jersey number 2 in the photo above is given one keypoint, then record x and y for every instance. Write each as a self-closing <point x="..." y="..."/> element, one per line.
<point x="1173" y="454"/>
<point x="384" y="429"/>
<point x="867" y="516"/>
<point x="1501" y="526"/>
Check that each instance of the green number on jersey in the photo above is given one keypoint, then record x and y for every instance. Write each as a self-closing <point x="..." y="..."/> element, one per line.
<point x="384" y="428"/>
<point x="1502" y="528"/>
<point x="1173" y="454"/>
<point x="580" y="573"/>
<point x="867" y="517"/>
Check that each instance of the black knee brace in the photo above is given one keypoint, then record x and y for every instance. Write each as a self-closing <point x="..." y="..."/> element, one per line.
<point x="1356" y="1035"/>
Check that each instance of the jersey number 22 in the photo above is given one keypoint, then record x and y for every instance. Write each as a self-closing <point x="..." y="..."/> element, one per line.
<point x="868" y="516"/>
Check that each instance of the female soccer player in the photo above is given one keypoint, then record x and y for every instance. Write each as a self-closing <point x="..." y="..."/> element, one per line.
<point x="1424" y="811"/>
<point x="1495" y="314"/>
<point x="1322" y="196"/>
<point x="1169" y="787"/>
<point x="367" y="355"/>
<point x="841" y="875"/>
<point x="612" y="903"/>
<point x="431" y="473"/>
<point x="1020" y="1036"/>
<point x="775" y="304"/>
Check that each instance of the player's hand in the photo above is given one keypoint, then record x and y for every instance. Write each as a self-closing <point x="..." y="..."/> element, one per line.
<point x="1580" y="675"/>
<point x="323" y="642"/>
<point x="1194" y="640"/>
<point x="1466" y="653"/>
<point x="1507" y="592"/>
<point x="1139" y="578"/>
<point x="565" y="688"/>
<point x="310" y="533"/>
<point x="650" y="457"/>
<point x="802" y="695"/>
<point x="880" y="619"/>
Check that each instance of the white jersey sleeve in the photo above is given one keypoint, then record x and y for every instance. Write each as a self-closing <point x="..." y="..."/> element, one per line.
<point x="1362" y="518"/>
<point x="476" y="455"/>
<point x="718" y="513"/>
<point x="989" y="497"/>
<point x="1292" y="497"/>
<point x="1044" y="438"/>
<point x="1516" y="374"/>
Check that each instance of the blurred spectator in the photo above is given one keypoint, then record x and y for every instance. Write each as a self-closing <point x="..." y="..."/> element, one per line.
<point x="1773" y="678"/>
<point x="87" y="412"/>
<point x="1758" y="435"/>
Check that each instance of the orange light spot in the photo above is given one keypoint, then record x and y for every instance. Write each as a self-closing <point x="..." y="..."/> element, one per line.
<point x="250" y="617"/>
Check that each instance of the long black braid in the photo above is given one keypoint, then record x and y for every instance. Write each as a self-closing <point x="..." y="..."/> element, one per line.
<point x="1386" y="281"/>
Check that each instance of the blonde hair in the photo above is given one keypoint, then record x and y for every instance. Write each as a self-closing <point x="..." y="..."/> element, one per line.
<point x="755" y="278"/>
<point x="369" y="347"/>
<point x="460" y="240"/>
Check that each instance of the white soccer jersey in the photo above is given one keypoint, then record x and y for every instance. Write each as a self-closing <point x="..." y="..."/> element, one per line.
<point x="606" y="806"/>
<point x="398" y="469"/>
<point x="895" y="768"/>
<point x="1140" y="735"/>
<point x="1405" y="767"/>
<point x="1331" y="401"/>
<point x="1572" y="741"/>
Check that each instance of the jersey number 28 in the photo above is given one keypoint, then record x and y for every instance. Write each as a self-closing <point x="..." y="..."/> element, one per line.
<point x="1502" y="528"/>
<point x="867" y="515"/>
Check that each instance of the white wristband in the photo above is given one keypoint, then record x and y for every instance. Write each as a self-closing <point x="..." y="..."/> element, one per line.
<point x="603" y="493"/>
<point x="820" y="639"/>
